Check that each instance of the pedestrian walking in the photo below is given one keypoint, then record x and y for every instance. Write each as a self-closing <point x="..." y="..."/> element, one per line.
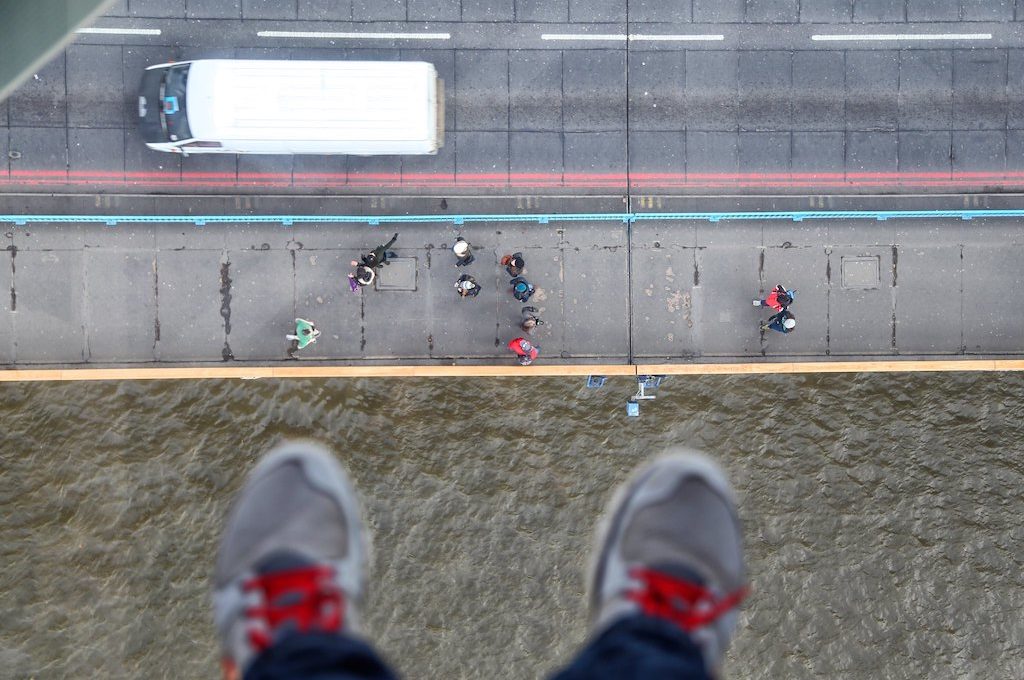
<point x="305" y="333"/>
<point x="463" y="254"/>
<point x="514" y="264"/>
<point x="380" y="254"/>
<point x="778" y="299"/>
<point x="530" y="320"/>
<point x="363" y="276"/>
<point x="783" y="322"/>
<point x="466" y="286"/>
<point x="524" y="350"/>
<point x="522" y="289"/>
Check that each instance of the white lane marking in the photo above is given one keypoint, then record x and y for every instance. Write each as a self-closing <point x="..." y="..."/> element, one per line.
<point x="354" y="36"/>
<point x="901" y="36"/>
<point x="622" y="37"/>
<point x="120" y="31"/>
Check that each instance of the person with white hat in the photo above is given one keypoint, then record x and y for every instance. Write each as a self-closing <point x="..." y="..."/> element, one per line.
<point x="783" y="322"/>
<point x="463" y="255"/>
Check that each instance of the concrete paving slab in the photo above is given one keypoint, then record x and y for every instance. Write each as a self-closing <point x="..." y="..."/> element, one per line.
<point x="979" y="151"/>
<point x="979" y="89"/>
<point x="926" y="89"/>
<point x="128" y="237"/>
<point x="95" y="86"/>
<point x="119" y="8"/>
<point x="662" y="234"/>
<point x="655" y="152"/>
<point x="157" y="8"/>
<point x="120" y="305"/>
<point x="96" y="152"/>
<point x="925" y="152"/>
<point x="803" y="270"/>
<point x="434" y="10"/>
<point x="729" y="234"/>
<point x="819" y="152"/>
<point x="483" y="153"/>
<point x="765" y="80"/>
<point x="262" y="303"/>
<point x="41" y="100"/>
<point x="878" y="11"/>
<point x="826" y="11"/>
<point x="773" y="11"/>
<point x="482" y="77"/>
<point x="543" y="10"/>
<point x="535" y="90"/>
<point x="378" y="10"/>
<point x="724" y="323"/>
<point x="861" y="319"/>
<point x="711" y="152"/>
<point x="7" y="316"/>
<point x="871" y="152"/>
<point x="58" y="236"/>
<point x="711" y="90"/>
<point x="218" y="9"/>
<point x="189" y="303"/>
<point x="268" y="9"/>
<point x="596" y="301"/>
<point x="400" y="323"/>
<point x="43" y="153"/>
<point x="49" y="293"/>
<point x="989" y="274"/>
<point x="212" y="168"/>
<point x="463" y="327"/>
<point x="818" y="91"/>
<point x="928" y="304"/>
<point x="987" y="10"/>
<point x="322" y="295"/>
<point x="438" y="168"/>
<point x="933" y="10"/>
<point x="662" y="302"/>
<point x="594" y="90"/>
<point x="765" y="152"/>
<point x="511" y="237"/>
<point x="659" y="11"/>
<point x="1015" y="90"/>
<point x="779" y="233"/>
<point x="488" y="10"/>
<point x="718" y="11"/>
<point x="261" y="237"/>
<point x="657" y="89"/>
<point x="536" y="152"/>
<point x="594" y="153"/>
<point x="265" y="170"/>
<point x="601" y="11"/>
<point x="860" y="232"/>
<point x="872" y="86"/>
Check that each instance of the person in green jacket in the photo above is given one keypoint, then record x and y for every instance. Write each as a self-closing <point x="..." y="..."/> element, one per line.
<point x="305" y="333"/>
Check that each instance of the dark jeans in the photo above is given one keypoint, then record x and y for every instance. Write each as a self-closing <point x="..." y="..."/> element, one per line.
<point x="635" y="647"/>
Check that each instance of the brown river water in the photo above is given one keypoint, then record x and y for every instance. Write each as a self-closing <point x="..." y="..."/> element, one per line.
<point x="883" y="516"/>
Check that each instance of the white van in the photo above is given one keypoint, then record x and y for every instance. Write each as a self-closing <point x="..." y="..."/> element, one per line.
<point x="364" y="108"/>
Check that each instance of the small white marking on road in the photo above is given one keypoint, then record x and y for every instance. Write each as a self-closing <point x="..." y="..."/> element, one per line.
<point x="354" y="36"/>
<point x="120" y="31"/>
<point x="900" y="36"/>
<point x="622" y="37"/>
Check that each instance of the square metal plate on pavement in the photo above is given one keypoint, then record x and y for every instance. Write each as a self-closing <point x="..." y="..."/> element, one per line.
<point x="860" y="272"/>
<point x="400" y="274"/>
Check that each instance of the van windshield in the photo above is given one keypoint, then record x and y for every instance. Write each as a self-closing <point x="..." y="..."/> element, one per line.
<point x="172" y="104"/>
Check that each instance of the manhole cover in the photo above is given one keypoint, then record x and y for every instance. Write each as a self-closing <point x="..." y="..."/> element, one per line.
<point x="399" y="275"/>
<point x="860" y="272"/>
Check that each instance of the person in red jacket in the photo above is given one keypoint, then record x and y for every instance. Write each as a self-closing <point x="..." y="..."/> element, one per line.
<point x="524" y="350"/>
<point x="778" y="299"/>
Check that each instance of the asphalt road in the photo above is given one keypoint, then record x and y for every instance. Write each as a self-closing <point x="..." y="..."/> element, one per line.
<point x="606" y="97"/>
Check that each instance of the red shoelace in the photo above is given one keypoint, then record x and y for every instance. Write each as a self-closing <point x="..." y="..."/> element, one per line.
<point x="685" y="604"/>
<point x="306" y="598"/>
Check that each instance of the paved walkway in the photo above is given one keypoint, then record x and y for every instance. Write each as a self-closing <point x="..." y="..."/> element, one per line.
<point x="608" y="292"/>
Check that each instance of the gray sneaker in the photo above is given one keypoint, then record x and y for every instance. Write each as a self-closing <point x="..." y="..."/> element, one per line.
<point x="292" y="556"/>
<point x="669" y="546"/>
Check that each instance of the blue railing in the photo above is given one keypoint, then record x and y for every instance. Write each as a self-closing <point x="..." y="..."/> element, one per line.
<point x="457" y="220"/>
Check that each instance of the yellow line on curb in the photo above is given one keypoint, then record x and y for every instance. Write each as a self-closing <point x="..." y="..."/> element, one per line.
<point x="504" y="371"/>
